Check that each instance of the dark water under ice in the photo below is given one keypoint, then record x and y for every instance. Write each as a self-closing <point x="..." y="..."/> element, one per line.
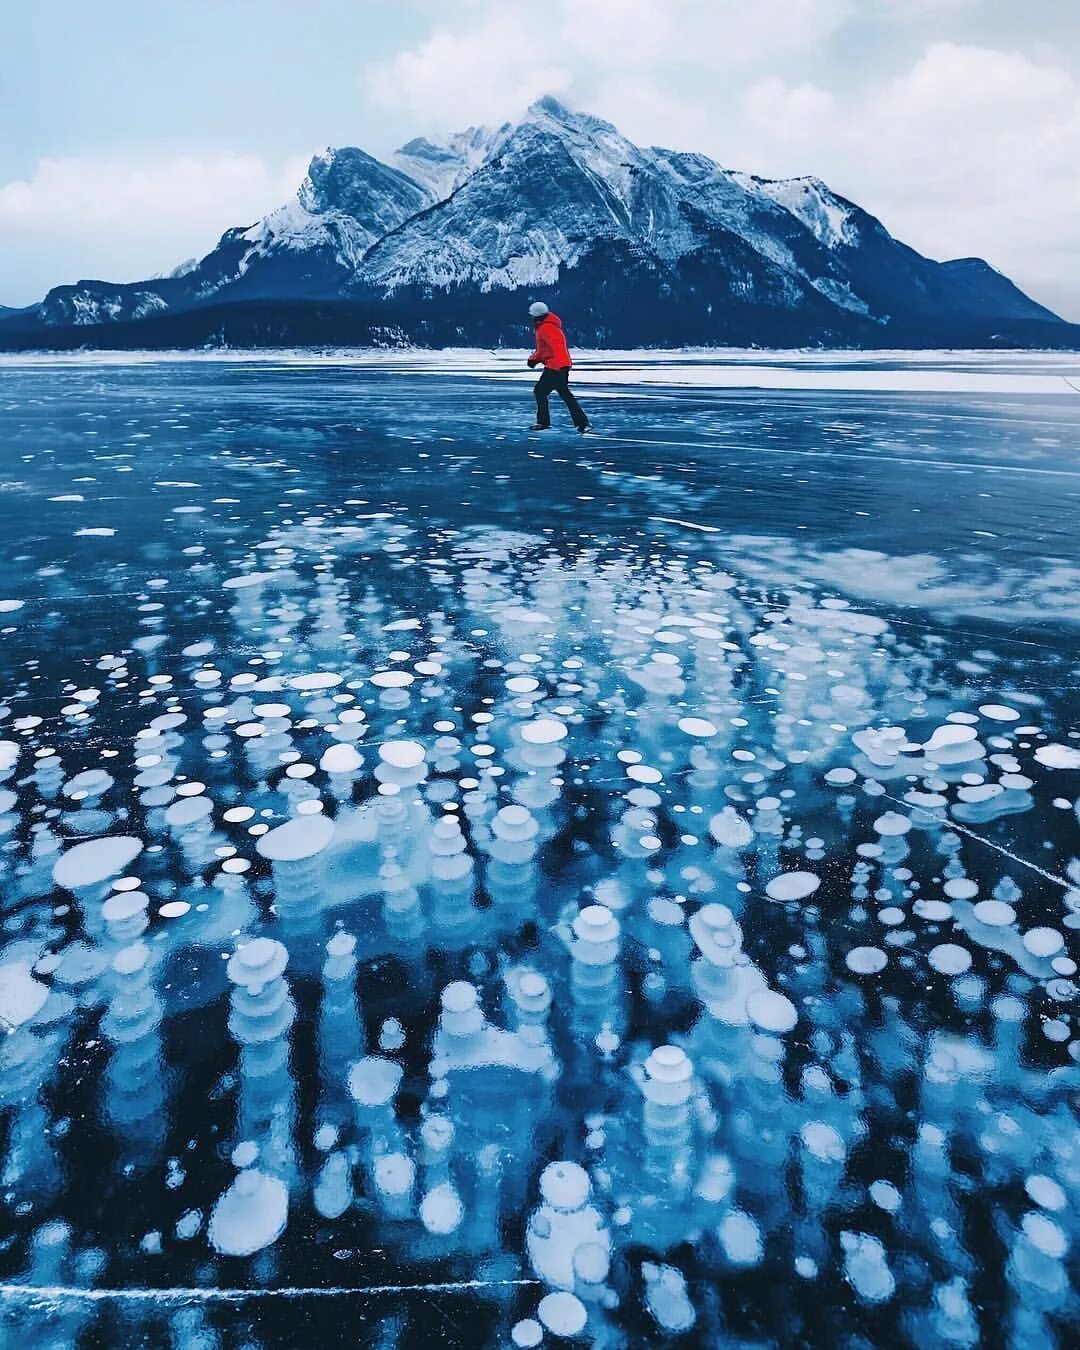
<point x="492" y="889"/>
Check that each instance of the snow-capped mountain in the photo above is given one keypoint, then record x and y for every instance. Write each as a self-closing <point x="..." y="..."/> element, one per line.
<point x="634" y="244"/>
<point x="442" y="166"/>
<point x="310" y="247"/>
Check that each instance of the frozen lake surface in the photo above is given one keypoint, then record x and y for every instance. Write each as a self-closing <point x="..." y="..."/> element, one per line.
<point x="469" y="887"/>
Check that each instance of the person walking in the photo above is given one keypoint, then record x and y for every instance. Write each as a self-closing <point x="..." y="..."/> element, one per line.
<point x="553" y="354"/>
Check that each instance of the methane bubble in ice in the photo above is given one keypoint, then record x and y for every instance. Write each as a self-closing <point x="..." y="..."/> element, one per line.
<point x="21" y="996"/>
<point x="866" y="960"/>
<point x="250" y="1215"/>
<point x="792" y="886"/>
<point x="95" y="861"/>
<point x="296" y="839"/>
<point x="771" y="1011"/>
<point x="699" y="727"/>
<point x="562" y="1313"/>
<point x="1058" y="756"/>
<point x="402" y="754"/>
<point x="949" y="959"/>
<point x="999" y="712"/>
<point x="544" y="731"/>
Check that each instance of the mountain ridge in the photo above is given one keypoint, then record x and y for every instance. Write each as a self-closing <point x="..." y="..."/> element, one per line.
<point x="639" y="245"/>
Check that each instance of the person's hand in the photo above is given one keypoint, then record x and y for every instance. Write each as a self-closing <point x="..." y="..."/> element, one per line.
<point x="530" y="363"/>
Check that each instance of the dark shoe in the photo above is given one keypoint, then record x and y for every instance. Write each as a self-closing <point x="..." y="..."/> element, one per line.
<point x="537" y="427"/>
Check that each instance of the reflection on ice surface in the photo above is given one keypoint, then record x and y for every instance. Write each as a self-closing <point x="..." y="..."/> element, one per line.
<point x="430" y="869"/>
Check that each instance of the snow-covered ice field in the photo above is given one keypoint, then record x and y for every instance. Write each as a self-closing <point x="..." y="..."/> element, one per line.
<point x="469" y="887"/>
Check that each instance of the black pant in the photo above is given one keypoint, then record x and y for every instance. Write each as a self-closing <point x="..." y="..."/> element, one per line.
<point x="559" y="381"/>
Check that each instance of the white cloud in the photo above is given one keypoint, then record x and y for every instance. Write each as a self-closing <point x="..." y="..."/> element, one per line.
<point x="494" y="58"/>
<point x="484" y="73"/>
<point x="970" y="151"/>
<point x="123" y="220"/>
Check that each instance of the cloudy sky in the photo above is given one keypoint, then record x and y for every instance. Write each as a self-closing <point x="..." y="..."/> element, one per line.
<point x="133" y="133"/>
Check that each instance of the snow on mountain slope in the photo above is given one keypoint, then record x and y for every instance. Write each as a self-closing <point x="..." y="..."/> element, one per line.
<point x="347" y="201"/>
<point x="528" y="210"/>
<point x="830" y="218"/>
<point x="442" y="166"/>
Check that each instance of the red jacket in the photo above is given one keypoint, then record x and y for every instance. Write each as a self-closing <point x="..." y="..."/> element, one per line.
<point x="551" y="349"/>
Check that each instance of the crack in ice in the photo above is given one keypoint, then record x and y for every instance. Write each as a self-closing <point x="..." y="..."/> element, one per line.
<point x="60" y="1292"/>
<point x="962" y="829"/>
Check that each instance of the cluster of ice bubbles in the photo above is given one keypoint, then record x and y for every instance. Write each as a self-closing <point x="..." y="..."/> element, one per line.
<point x="606" y="903"/>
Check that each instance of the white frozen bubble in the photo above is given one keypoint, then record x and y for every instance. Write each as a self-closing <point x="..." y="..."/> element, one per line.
<point x="316" y="679"/>
<point x="562" y="1313"/>
<point x="729" y="829"/>
<point x="564" y="1185"/>
<point x="543" y="731"/>
<point x="697" y="726"/>
<point x="1045" y="1192"/>
<point x="236" y="814"/>
<point x="186" y="811"/>
<point x="771" y="1011"/>
<point x="527" y="1334"/>
<point x="300" y="838"/>
<point x="1055" y="756"/>
<point x="374" y="1081"/>
<point x="402" y="754"/>
<point x="271" y="710"/>
<point x="740" y="1238"/>
<point x="242" y="583"/>
<point x="21" y="996"/>
<point x="250" y="1215"/>
<point x="994" y="913"/>
<point x="642" y="773"/>
<point x="441" y="1210"/>
<point x="885" y="1195"/>
<point x="395" y="1174"/>
<point x="999" y="712"/>
<point x="947" y="958"/>
<point x="1045" y="1235"/>
<point x="341" y="758"/>
<point x="792" y="886"/>
<point x="96" y="860"/>
<point x="892" y="824"/>
<point x="822" y="1141"/>
<point x="960" y="888"/>
<point x="1043" y="942"/>
<point x="948" y="736"/>
<point x="865" y="1267"/>
<point x="257" y="962"/>
<point x="866" y="960"/>
<point x="666" y="1298"/>
<point x="174" y="909"/>
<point x="392" y="679"/>
<point x="840" y="777"/>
